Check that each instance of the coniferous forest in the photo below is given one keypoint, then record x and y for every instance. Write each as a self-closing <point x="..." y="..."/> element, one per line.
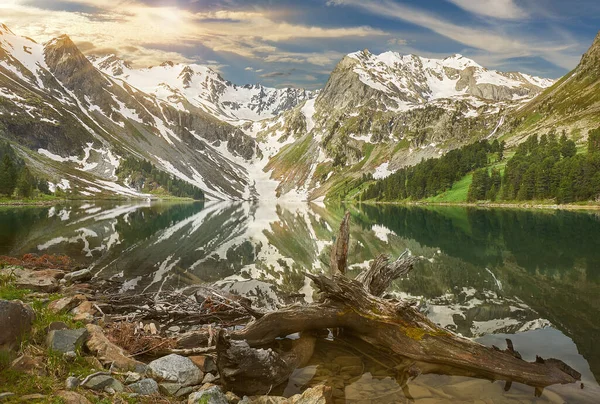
<point x="542" y="168"/>
<point x="434" y="176"/>
<point x="15" y="178"/>
<point x="144" y="176"/>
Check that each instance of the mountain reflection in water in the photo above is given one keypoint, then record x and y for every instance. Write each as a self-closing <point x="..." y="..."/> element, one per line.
<point x="487" y="273"/>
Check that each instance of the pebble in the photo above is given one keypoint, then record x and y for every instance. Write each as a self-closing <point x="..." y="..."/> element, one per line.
<point x="72" y="382"/>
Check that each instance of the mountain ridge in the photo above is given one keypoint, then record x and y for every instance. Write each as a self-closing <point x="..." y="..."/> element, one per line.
<point x="376" y="113"/>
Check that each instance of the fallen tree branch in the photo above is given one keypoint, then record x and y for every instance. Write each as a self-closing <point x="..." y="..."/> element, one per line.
<point x="396" y="327"/>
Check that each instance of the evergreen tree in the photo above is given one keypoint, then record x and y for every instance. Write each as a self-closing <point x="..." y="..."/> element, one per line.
<point x="567" y="147"/>
<point x="25" y="184"/>
<point x="8" y="176"/>
<point x="479" y="186"/>
<point x="594" y="141"/>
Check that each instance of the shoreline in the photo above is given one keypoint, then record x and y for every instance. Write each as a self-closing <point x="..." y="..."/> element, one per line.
<point x="25" y="203"/>
<point x="529" y="206"/>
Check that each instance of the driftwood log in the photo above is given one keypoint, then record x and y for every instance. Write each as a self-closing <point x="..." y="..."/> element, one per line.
<point x="395" y="327"/>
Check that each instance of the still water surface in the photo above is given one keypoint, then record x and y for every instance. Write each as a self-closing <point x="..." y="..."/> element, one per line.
<point x="533" y="276"/>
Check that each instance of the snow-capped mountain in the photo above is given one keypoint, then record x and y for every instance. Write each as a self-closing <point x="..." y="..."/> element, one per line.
<point x="194" y="86"/>
<point x="74" y="119"/>
<point x="382" y="112"/>
<point x="75" y="124"/>
<point x="412" y="80"/>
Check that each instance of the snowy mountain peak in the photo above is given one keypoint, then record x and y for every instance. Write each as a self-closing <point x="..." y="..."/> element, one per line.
<point x="184" y="85"/>
<point x="111" y="63"/>
<point x="410" y="80"/>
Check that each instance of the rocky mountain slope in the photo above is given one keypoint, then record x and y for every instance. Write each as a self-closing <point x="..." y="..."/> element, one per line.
<point x="187" y="87"/>
<point x="572" y="104"/>
<point x="378" y="113"/>
<point x="74" y="124"/>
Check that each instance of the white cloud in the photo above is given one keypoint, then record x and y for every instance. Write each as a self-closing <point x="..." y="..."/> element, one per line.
<point x="397" y="42"/>
<point x="502" y="9"/>
<point x="491" y="39"/>
<point x="250" y="34"/>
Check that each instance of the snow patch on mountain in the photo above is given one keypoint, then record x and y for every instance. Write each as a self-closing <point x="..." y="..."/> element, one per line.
<point x="202" y="87"/>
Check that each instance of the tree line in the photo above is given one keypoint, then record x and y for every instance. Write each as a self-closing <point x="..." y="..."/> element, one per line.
<point x="436" y="175"/>
<point x="16" y="179"/>
<point x="144" y="176"/>
<point x="543" y="168"/>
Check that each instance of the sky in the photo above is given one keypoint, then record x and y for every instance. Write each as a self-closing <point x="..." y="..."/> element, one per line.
<point x="298" y="43"/>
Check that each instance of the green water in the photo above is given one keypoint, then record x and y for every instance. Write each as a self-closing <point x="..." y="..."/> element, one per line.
<point x="533" y="276"/>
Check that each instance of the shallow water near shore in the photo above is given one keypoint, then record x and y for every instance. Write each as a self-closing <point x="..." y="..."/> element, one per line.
<point x="488" y="274"/>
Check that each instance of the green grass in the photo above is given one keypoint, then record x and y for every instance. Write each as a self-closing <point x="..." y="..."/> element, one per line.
<point x="456" y="194"/>
<point x="40" y="199"/>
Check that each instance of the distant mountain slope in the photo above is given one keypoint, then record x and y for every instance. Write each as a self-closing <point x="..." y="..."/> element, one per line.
<point x="75" y="124"/>
<point x="378" y="113"/>
<point x="572" y="104"/>
<point x="184" y="86"/>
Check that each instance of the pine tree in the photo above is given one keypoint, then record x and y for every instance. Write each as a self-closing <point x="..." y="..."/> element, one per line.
<point x="25" y="184"/>
<point x="567" y="147"/>
<point x="8" y="176"/>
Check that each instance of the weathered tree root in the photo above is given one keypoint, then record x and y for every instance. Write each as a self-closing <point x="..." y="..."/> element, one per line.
<point x="391" y="326"/>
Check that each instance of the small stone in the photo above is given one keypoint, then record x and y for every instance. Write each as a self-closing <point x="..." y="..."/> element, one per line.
<point x="66" y="304"/>
<point x="144" y="387"/>
<point x="32" y="397"/>
<point x="5" y="396"/>
<point x="100" y="382"/>
<point x="184" y="392"/>
<point x="72" y="383"/>
<point x="205" y="363"/>
<point x="176" y="369"/>
<point x="32" y="365"/>
<point x="66" y="340"/>
<point x="56" y="325"/>
<point x="320" y="394"/>
<point x="151" y="329"/>
<point x="70" y="356"/>
<point x="79" y="276"/>
<point x="107" y="352"/>
<point x="211" y="395"/>
<point x="110" y="390"/>
<point x="169" y="389"/>
<point x="84" y="312"/>
<point x="71" y="397"/>
<point x="133" y="377"/>
<point x="174" y="329"/>
<point x="232" y="398"/>
<point x="209" y="378"/>
<point x="94" y="362"/>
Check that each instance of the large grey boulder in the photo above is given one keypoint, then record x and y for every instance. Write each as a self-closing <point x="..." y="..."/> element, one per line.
<point x="211" y="395"/>
<point x="175" y="369"/>
<point x="144" y="387"/>
<point x="64" y="341"/>
<point x="16" y="319"/>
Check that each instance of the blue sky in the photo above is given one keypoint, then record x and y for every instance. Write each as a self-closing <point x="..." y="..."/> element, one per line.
<point x="298" y="43"/>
